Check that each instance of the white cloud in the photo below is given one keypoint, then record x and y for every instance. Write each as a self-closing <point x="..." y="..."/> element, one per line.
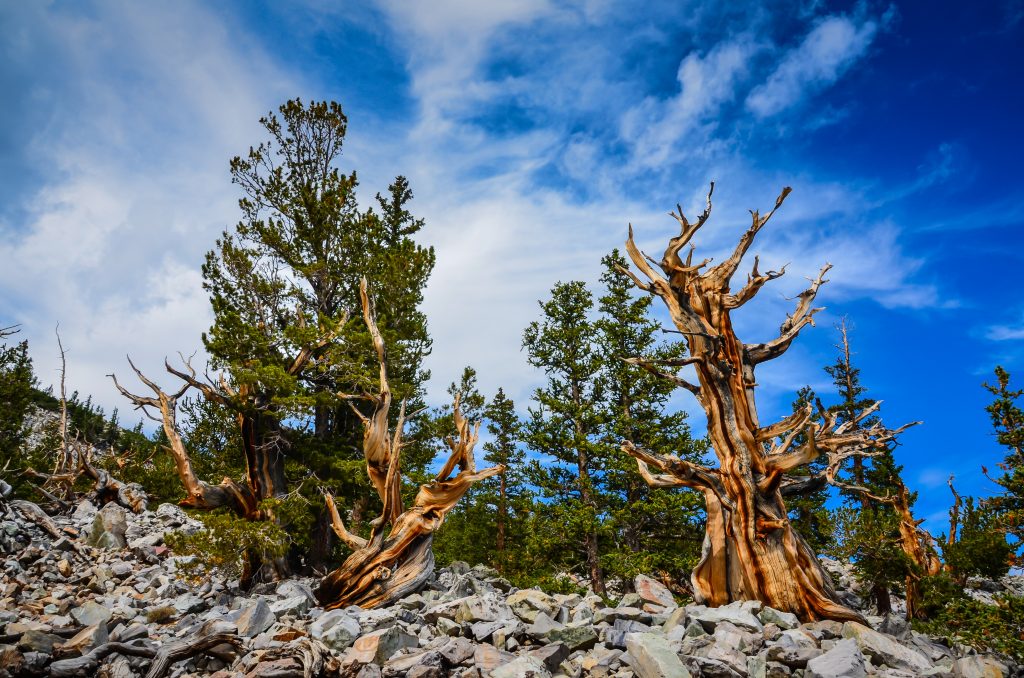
<point x="1013" y="332"/>
<point x="826" y="52"/>
<point x="136" y="188"/>
<point x="655" y="127"/>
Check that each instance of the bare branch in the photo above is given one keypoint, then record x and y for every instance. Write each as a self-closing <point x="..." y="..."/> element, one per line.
<point x="353" y="541"/>
<point x="803" y="315"/>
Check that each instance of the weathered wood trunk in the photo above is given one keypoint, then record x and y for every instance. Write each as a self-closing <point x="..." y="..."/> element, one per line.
<point x="751" y="551"/>
<point x="396" y="559"/>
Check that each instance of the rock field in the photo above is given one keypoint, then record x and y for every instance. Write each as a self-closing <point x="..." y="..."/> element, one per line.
<point x="97" y="594"/>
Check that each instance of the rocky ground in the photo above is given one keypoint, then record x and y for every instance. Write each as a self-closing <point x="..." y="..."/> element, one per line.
<point x="97" y="594"/>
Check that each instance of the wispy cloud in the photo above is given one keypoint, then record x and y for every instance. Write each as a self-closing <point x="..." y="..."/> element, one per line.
<point x="826" y="52"/>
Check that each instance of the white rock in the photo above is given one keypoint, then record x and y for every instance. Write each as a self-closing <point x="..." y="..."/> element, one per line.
<point x="844" y="660"/>
<point x="653" y="657"/>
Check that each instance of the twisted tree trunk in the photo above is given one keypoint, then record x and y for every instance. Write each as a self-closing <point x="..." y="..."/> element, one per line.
<point x="751" y="551"/>
<point x="397" y="558"/>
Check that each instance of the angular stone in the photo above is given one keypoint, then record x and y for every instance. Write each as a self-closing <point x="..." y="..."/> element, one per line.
<point x="481" y="608"/>
<point x="793" y="657"/>
<point x="885" y="649"/>
<point x="526" y="603"/>
<point x="653" y="591"/>
<point x="979" y="666"/>
<point x="784" y="620"/>
<point x="378" y="646"/>
<point x="582" y="637"/>
<point x="487" y="658"/>
<point x="171" y="515"/>
<point x="733" y="613"/>
<point x="291" y="588"/>
<point x="91" y="612"/>
<point x="294" y="606"/>
<point x="844" y="660"/>
<point x="552" y="654"/>
<point x="86" y="639"/>
<point x="38" y="641"/>
<point x="255" y="619"/>
<point x="189" y="602"/>
<point x="108" y="528"/>
<point x="402" y="664"/>
<point x="457" y="650"/>
<point x="653" y="657"/>
<point x="524" y="666"/>
<point x="336" y="629"/>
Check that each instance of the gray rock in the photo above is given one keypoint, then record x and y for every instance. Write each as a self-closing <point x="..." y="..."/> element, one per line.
<point x="784" y="620"/>
<point x="38" y="641"/>
<point x="255" y="619"/>
<point x="582" y="637"/>
<point x="378" y="646"/>
<point x="526" y="603"/>
<point x="552" y="654"/>
<point x="90" y="613"/>
<point x="294" y="606"/>
<point x="734" y="613"/>
<point x="653" y="657"/>
<point x="979" y="666"/>
<point x="171" y="515"/>
<point x="336" y="629"/>
<point x="524" y="666"/>
<point x="457" y="650"/>
<point x="844" y="660"/>
<point x="884" y="649"/>
<point x="653" y="591"/>
<point x="482" y="608"/>
<point x="108" y="528"/>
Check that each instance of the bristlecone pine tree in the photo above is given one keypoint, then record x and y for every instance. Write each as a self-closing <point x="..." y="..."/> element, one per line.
<point x="397" y="558"/>
<point x="751" y="551"/>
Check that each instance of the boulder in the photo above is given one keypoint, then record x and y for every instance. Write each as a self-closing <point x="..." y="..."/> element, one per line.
<point x="526" y="603"/>
<point x="653" y="657"/>
<point x="784" y="620"/>
<point x="734" y="613"/>
<point x="336" y="629"/>
<point x="108" y="528"/>
<point x="378" y="646"/>
<point x="256" y="618"/>
<point x="978" y="666"/>
<point x="844" y="660"/>
<point x="653" y="591"/>
<point x="885" y="650"/>
<point x="91" y="612"/>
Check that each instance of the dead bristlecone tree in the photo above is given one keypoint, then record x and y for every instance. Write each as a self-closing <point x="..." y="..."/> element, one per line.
<point x="751" y="551"/>
<point x="397" y="558"/>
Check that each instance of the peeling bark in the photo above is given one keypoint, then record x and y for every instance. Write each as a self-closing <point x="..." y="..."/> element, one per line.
<point x="751" y="550"/>
<point x="396" y="559"/>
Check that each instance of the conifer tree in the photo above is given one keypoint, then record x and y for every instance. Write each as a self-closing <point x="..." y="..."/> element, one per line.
<point x="1008" y="424"/>
<point x="566" y="419"/>
<point x="648" y="536"/>
<point x="503" y="449"/>
<point x="17" y="383"/>
<point x="807" y="499"/>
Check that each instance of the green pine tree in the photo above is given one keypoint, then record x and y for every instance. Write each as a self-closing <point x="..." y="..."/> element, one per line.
<point x="650" y="531"/>
<point x="1008" y="424"/>
<point x="565" y="422"/>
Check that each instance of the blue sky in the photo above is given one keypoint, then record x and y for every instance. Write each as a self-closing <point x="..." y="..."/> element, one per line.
<point x="532" y="133"/>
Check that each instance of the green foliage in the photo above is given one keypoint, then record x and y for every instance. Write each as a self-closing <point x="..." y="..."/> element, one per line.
<point x="226" y="540"/>
<point x="17" y="386"/>
<point x="981" y="548"/>
<point x="808" y="512"/>
<point x="1008" y="424"/>
<point x="870" y="539"/>
<point x="998" y="628"/>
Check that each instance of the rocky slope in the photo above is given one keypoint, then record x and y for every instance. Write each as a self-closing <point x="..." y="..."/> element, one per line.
<point x="97" y="594"/>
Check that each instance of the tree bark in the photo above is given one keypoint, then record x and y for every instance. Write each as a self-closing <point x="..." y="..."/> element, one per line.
<point x="751" y="551"/>
<point x="395" y="562"/>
